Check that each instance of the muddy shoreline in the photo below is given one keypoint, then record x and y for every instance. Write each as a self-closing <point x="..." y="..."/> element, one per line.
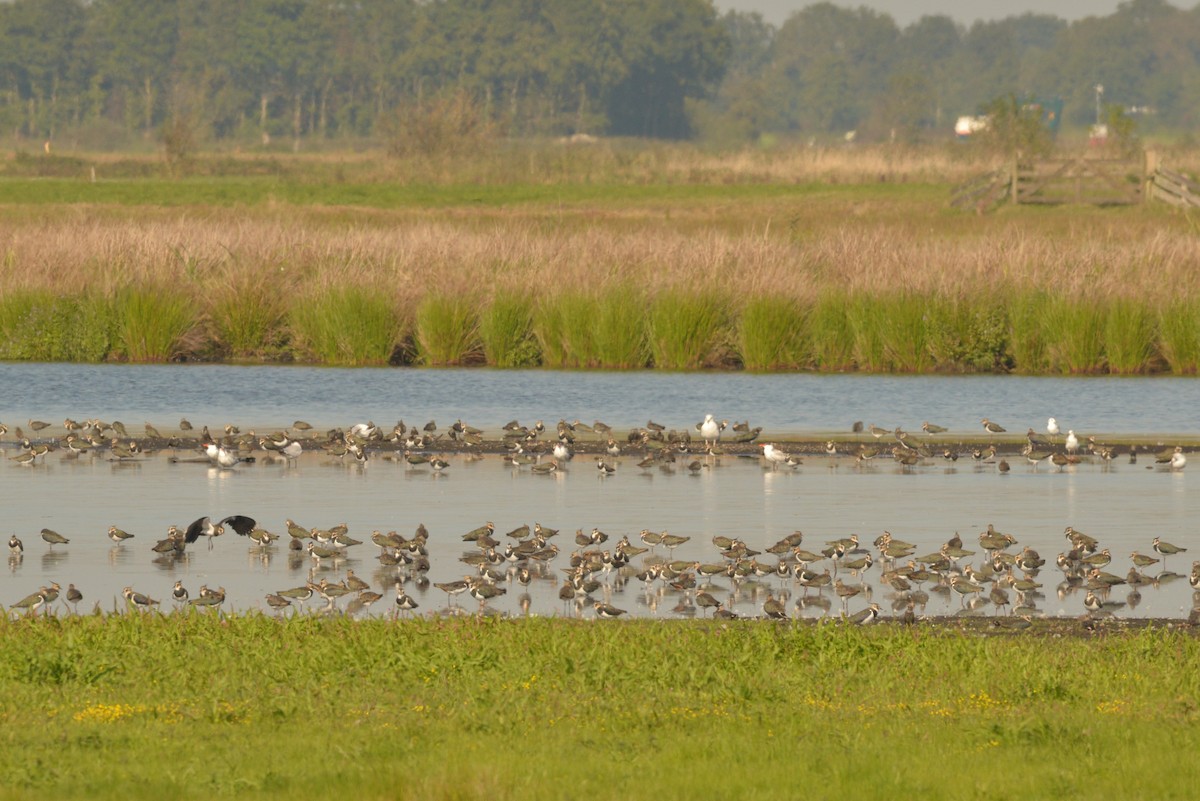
<point x="804" y="445"/>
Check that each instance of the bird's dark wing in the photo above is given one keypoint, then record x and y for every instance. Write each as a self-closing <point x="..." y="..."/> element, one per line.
<point x="240" y="523"/>
<point x="195" y="530"/>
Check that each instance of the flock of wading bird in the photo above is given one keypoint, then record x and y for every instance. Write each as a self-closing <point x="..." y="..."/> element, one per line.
<point x="533" y="447"/>
<point x="1004" y="578"/>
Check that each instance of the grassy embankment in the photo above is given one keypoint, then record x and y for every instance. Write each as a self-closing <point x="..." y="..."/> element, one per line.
<point x="620" y="258"/>
<point x="194" y="707"/>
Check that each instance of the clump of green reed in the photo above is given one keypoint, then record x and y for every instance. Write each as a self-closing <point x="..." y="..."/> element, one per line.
<point x="446" y="331"/>
<point x="37" y="325"/>
<point x="247" y="315"/>
<point x="546" y="325"/>
<point x="1074" y="333"/>
<point x="870" y="350"/>
<point x="686" y="329"/>
<point x="506" y="332"/>
<point x="347" y="326"/>
<point x="602" y="329"/>
<point x="563" y="325"/>
<point x="1179" y="336"/>
<point x="771" y="334"/>
<point x="151" y="321"/>
<point x="831" y="336"/>
<point x="619" y="329"/>
<point x="1128" y="335"/>
<point x="1027" y="334"/>
<point x="902" y="323"/>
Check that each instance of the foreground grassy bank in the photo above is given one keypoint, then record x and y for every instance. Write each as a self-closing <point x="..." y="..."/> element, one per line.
<point x="193" y="706"/>
<point x="675" y="271"/>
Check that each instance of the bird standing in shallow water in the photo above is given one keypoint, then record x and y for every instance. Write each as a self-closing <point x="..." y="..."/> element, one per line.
<point x="607" y="611"/>
<point x="404" y="602"/>
<point x="866" y="616"/>
<point x="773" y="608"/>
<point x="53" y="538"/>
<point x="277" y="602"/>
<point x="74" y="596"/>
<point x="1173" y="459"/>
<point x="1166" y="549"/>
<point x="773" y="455"/>
<point x="30" y="603"/>
<point x="138" y="600"/>
<point x="117" y="535"/>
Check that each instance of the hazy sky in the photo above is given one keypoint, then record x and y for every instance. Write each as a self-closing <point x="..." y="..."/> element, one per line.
<point x="964" y="11"/>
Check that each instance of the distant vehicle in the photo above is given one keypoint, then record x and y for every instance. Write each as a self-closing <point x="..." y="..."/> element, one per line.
<point x="964" y="127"/>
<point x="1050" y="112"/>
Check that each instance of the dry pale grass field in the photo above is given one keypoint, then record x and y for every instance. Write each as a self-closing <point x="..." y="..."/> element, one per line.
<point x="793" y="246"/>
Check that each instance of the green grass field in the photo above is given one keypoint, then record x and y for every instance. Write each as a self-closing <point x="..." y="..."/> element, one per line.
<point x="196" y="707"/>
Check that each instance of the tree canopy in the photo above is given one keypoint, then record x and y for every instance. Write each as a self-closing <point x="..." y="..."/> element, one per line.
<point x="327" y="69"/>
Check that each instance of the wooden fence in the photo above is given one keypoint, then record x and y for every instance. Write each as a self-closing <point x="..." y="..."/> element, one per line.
<point x="1086" y="179"/>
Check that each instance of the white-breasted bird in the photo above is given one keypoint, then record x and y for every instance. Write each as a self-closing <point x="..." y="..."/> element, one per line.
<point x="773" y="454"/>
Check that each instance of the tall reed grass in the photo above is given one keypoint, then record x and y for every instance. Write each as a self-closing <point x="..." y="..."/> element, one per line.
<point x="1026" y="336"/>
<point x="618" y="327"/>
<point x="563" y="325"/>
<point x="446" y="331"/>
<point x="349" y="326"/>
<point x="152" y="321"/>
<point x="687" y="329"/>
<point x="1179" y="336"/>
<point x="846" y="277"/>
<point x="830" y="333"/>
<point x="246" y="311"/>
<point x="506" y="332"/>
<point x="1074" y="331"/>
<point x="771" y="334"/>
<point x="1129" y="336"/>
<point x="619" y="335"/>
<point x="602" y="328"/>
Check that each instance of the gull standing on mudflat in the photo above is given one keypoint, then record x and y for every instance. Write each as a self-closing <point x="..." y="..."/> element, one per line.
<point x="773" y="454"/>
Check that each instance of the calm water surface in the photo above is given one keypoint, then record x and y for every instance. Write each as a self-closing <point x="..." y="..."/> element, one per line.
<point x="265" y="397"/>
<point x="1124" y="505"/>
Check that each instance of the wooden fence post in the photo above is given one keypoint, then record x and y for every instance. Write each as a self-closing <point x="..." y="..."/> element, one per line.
<point x="1151" y="167"/>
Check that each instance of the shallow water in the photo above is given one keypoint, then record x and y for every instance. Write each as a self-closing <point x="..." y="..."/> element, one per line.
<point x="265" y="397"/>
<point x="1124" y="505"/>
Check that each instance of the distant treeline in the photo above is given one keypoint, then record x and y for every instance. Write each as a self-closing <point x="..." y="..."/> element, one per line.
<point x="113" y="72"/>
